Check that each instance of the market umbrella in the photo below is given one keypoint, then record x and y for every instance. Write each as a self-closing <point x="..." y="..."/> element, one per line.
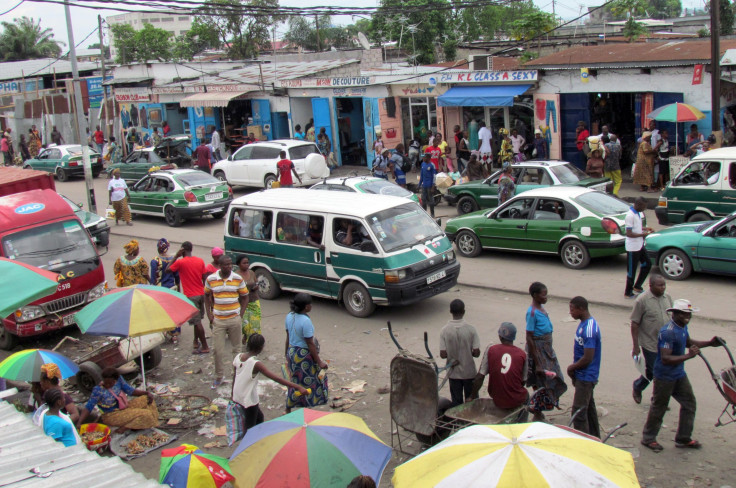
<point x="308" y="448"/>
<point x="518" y="455"/>
<point x="187" y="466"/>
<point x="134" y="311"/>
<point x="26" y="365"/>
<point x="37" y="283"/>
<point x="676" y="112"/>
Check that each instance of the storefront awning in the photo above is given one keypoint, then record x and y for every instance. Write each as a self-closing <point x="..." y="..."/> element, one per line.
<point x="210" y="99"/>
<point x="481" y="96"/>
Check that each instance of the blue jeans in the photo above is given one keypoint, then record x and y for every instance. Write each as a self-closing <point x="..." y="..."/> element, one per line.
<point x="643" y="381"/>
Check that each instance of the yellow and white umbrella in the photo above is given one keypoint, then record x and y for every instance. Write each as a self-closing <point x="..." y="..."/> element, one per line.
<point x="518" y="455"/>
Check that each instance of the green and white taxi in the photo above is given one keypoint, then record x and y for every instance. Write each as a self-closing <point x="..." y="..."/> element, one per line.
<point x="64" y="161"/>
<point x="362" y="250"/>
<point x="180" y="194"/>
<point x="364" y="184"/>
<point x="575" y="223"/>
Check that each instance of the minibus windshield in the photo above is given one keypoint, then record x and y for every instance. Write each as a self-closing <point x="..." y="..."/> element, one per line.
<point x="402" y="227"/>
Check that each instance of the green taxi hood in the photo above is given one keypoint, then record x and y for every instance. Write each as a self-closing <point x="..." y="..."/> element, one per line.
<point x="420" y="252"/>
<point x="467" y="186"/>
<point x="466" y="220"/>
<point x="684" y="228"/>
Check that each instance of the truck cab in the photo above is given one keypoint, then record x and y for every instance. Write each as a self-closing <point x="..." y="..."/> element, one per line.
<point x="39" y="228"/>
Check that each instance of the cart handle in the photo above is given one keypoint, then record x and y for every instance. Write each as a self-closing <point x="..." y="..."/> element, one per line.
<point x="614" y="430"/>
<point x="426" y="346"/>
<point x="391" y="333"/>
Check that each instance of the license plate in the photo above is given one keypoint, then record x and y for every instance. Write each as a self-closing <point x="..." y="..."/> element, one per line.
<point x="68" y="320"/>
<point x="213" y="196"/>
<point x="435" y="277"/>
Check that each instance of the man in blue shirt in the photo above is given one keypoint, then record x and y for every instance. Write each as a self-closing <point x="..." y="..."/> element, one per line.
<point x="670" y="379"/>
<point x="585" y="368"/>
<point x="426" y="182"/>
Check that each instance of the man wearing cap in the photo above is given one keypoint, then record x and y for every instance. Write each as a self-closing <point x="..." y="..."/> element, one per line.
<point x="670" y="379"/>
<point x="506" y="367"/>
<point x="648" y="316"/>
<point x="585" y="369"/>
<point x="459" y="344"/>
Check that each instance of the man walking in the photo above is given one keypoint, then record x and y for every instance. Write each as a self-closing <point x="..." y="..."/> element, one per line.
<point x="459" y="344"/>
<point x="285" y="168"/>
<point x="506" y="367"/>
<point x="636" y="255"/>
<point x="99" y="139"/>
<point x="191" y="269"/>
<point x="204" y="155"/>
<point x="649" y="315"/>
<point x="56" y="136"/>
<point x="216" y="143"/>
<point x="670" y="379"/>
<point x="426" y="182"/>
<point x="226" y="298"/>
<point x="585" y="368"/>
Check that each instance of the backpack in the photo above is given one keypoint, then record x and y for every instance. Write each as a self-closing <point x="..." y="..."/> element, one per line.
<point x="404" y="164"/>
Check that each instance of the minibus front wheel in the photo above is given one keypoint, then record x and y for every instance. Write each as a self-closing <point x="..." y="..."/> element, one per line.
<point x="357" y="300"/>
<point x="268" y="287"/>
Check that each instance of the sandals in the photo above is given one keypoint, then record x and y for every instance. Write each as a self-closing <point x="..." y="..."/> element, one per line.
<point x="691" y="444"/>
<point x="654" y="446"/>
<point x="199" y="350"/>
<point x="217" y="383"/>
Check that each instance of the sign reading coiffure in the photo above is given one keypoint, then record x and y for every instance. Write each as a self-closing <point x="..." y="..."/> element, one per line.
<point x="132" y="94"/>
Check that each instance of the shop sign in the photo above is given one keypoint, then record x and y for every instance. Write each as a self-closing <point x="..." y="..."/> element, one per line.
<point x="132" y="95"/>
<point x="17" y="86"/>
<point x="231" y="88"/>
<point x="484" y="77"/>
<point x="327" y="82"/>
<point x="349" y="92"/>
<point x="697" y="74"/>
<point x="165" y="90"/>
<point x="95" y="91"/>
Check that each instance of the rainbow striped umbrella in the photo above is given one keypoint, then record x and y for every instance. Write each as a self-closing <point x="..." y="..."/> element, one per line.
<point x="676" y="112"/>
<point x="134" y="311"/>
<point x="26" y="365"/>
<point x="308" y="448"/>
<point x="37" y="283"/>
<point x="187" y="466"/>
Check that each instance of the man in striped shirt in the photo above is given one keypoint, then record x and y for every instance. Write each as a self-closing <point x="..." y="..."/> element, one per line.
<point x="226" y="298"/>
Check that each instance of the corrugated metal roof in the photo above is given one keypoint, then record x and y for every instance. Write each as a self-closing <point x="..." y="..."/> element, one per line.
<point x="24" y="446"/>
<point x="16" y="70"/>
<point x="673" y="53"/>
<point x="267" y="72"/>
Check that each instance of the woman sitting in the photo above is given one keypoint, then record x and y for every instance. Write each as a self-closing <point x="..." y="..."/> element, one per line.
<point x="55" y="424"/>
<point x="111" y="396"/>
<point x="50" y="377"/>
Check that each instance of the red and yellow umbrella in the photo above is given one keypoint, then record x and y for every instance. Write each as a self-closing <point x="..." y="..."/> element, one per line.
<point x="676" y="112"/>
<point x="187" y="466"/>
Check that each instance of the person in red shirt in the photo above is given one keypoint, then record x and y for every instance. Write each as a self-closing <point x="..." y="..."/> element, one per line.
<point x="191" y="275"/>
<point x="435" y="153"/>
<point x="286" y="168"/>
<point x="203" y="153"/>
<point x="506" y="367"/>
<point x="99" y="139"/>
<point x="582" y="137"/>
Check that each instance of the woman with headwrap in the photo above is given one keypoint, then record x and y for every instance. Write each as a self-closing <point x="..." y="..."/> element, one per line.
<point x="118" y="197"/>
<point x="161" y="276"/>
<point x="252" y="315"/>
<point x="131" y="269"/>
<point x="50" y="378"/>
<point x="54" y="422"/>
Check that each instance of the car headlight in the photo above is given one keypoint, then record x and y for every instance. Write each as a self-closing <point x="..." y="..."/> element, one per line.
<point x="394" y="275"/>
<point x="96" y="292"/>
<point x="450" y="255"/>
<point x="27" y="313"/>
<point x="100" y="226"/>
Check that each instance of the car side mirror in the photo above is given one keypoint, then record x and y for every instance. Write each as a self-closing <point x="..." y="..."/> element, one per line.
<point x="438" y="221"/>
<point x="80" y="205"/>
<point x="230" y="158"/>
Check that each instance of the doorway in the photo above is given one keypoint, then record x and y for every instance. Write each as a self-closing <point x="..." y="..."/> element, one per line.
<point x="350" y="130"/>
<point x="176" y="116"/>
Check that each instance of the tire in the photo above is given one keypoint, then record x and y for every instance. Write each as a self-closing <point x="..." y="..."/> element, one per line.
<point x="468" y="244"/>
<point x="357" y="300"/>
<point x="172" y="217"/>
<point x="27" y="166"/>
<point x="103" y="239"/>
<point x="674" y="264"/>
<point x="220" y="175"/>
<point x="574" y="254"/>
<point x="268" y="287"/>
<point x="699" y="217"/>
<point x="151" y="359"/>
<point x="466" y="205"/>
<point x="88" y="376"/>
<point x="218" y="215"/>
<point x="268" y="181"/>
<point x="7" y="340"/>
<point x="61" y="175"/>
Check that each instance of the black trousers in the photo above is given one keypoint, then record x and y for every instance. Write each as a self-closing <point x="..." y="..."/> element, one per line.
<point x="587" y="420"/>
<point x="636" y="259"/>
<point x="682" y="392"/>
<point x="460" y="390"/>
<point x="253" y="416"/>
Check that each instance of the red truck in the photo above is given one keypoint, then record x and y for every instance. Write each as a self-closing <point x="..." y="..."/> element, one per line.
<point x="38" y="227"/>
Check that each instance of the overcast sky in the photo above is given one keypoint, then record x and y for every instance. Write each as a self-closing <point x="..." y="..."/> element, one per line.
<point x="84" y="20"/>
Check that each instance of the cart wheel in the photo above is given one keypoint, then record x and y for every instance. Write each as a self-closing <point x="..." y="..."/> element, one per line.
<point x="151" y="359"/>
<point x="89" y="376"/>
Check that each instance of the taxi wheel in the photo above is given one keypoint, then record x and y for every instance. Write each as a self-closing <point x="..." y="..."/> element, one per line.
<point x="268" y="287"/>
<point x="675" y="264"/>
<point x="466" y="205"/>
<point x="574" y="254"/>
<point x="468" y="244"/>
<point x="218" y="215"/>
<point x="61" y="175"/>
<point x="357" y="300"/>
<point x="172" y="217"/>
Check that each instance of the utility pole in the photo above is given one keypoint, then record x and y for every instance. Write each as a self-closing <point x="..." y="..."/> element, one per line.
<point x="715" y="63"/>
<point x="316" y="29"/>
<point x="79" y="112"/>
<point x="102" y="68"/>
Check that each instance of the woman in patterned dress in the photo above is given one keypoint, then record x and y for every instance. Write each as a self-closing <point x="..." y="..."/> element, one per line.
<point x="131" y="269"/>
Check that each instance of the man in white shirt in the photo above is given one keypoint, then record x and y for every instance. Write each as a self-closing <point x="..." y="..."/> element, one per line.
<point x="605" y="132"/>
<point x="636" y="254"/>
<point x="216" y="144"/>
<point x="655" y="132"/>
<point x="485" y="136"/>
<point x="459" y="344"/>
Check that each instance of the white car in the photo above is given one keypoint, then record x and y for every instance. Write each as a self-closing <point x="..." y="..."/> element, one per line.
<point x="255" y="164"/>
<point x="364" y="184"/>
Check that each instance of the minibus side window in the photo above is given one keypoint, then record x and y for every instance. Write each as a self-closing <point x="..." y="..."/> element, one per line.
<point x="252" y="224"/>
<point x="294" y="228"/>
<point x="349" y="233"/>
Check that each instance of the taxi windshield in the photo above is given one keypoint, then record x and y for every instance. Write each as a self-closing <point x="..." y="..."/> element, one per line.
<point x="403" y="226"/>
<point x="52" y="246"/>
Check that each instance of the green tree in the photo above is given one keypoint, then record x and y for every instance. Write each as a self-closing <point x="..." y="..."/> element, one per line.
<point x="302" y="32"/>
<point x="664" y="9"/>
<point x="727" y="18"/>
<point x="630" y="9"/>
<point x="96" y="45"/>
<point x="244" y="35"/>
<point x="532" y="24"/>
<point x="25" y="39"/>
<point x="148" y="44"/>
<point x="197" y="39"/>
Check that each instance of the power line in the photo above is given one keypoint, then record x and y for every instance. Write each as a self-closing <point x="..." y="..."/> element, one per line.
<point x="8" y="11"/>
<point x="63" y="55"/>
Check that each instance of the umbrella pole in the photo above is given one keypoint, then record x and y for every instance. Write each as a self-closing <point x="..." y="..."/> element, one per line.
<point x="143" y="366"/>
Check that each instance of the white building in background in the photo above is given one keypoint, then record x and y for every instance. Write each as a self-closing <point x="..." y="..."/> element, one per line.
<point x="177" y="25"/>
